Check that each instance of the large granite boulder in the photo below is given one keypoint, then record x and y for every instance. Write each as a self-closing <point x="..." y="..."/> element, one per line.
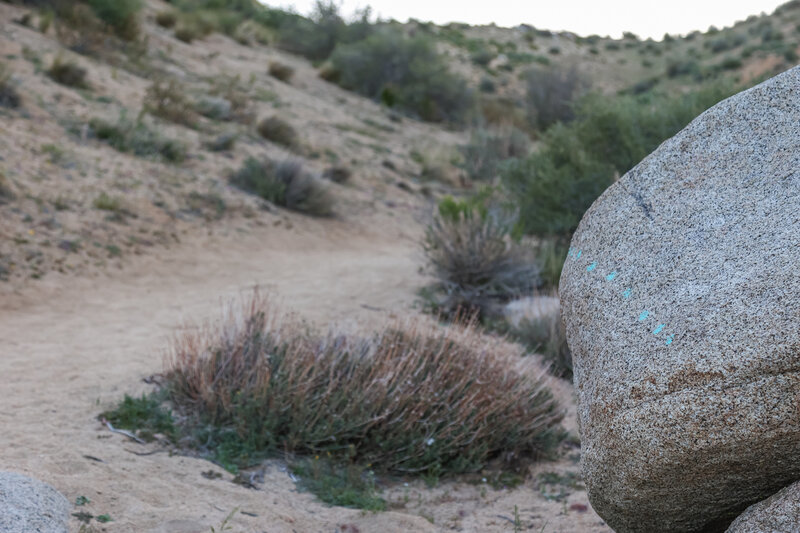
<point x="681" y="298"/>
<point x="777" y="514"/>
<point x="30" y="506"/>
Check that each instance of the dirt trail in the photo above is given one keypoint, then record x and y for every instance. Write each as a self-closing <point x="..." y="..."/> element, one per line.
<point x="70" y="348"/>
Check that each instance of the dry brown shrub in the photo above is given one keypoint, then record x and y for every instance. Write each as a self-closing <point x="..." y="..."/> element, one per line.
<point x="413" y="397"/>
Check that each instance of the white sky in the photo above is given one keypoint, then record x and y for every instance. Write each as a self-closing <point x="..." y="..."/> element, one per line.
<point x="646" y="18"/>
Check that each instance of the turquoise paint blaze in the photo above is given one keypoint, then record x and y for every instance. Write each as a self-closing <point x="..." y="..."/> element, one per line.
<point x="626" y="294"/>
<point x="579" y="254"/>
<point x="591" y="267"/>
<point x="669" y="340"/>
<point x="658" y="329"/>
<point x="644" y="315"/>
<point x="611" y="276"/>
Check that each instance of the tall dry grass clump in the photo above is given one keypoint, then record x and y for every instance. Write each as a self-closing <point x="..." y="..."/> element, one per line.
<point x="414" y="397"/>
<point x="475" y="261"/>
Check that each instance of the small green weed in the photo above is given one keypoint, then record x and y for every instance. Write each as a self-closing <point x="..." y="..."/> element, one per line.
<point x="145" y="415"/>
<point x="344" y="484"/>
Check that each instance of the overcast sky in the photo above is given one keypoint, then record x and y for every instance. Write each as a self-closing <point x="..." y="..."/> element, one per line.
<point x="646" y="18"/>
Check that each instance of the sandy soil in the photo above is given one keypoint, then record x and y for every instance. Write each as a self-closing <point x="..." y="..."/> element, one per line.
<point x="72" y="347"/>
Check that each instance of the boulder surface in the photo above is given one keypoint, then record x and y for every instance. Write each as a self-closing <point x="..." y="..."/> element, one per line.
<point x="777" y="514"/>
<point x="681" y="298"/>
<point x="28" y="505"/>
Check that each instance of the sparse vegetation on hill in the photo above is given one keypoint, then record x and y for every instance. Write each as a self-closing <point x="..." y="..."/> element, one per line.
<point x="138" y="138"/>
<point x="285" y="183"/>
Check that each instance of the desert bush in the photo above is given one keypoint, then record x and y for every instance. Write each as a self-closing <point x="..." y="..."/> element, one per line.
<point x="214" y="107"/>
<point x="418" y="81"/>
<point x="545" y="334"/>
<point x="337" y="174"/>
<point x="474" y="260"/>
<point x="68" y="73"/>
<point x="6" y="191"/>
<point x="230" y="88"/>
<point x="137" y="138"/>
<point x="279" y="131"/>
<point x="121" y="15"/>
<point x="726" y="42"/>
<point x="487" y="149"/>
<point x="405" y="399"/>
<point x="285" y="183"/>
<point x="554" y="186"/>
<point x="222" y="142"/>
<point x="280" y="71"/>
<point x="78" y="28"/>
<point x="317" y="36"/>
<point x="730" y="63"/>
<point x="250" y="31"/>
<point x="550" y="255"/>
<point x="167" y="99"/>
<point x="483" y="56"/>
<point x="167" y="19"/>
<point x="187" y="33"/>
<point x="550" y="93"/>
<point x="9" y="96"/>
<point x="486" y="85"/>
<point x="683" y="67"/>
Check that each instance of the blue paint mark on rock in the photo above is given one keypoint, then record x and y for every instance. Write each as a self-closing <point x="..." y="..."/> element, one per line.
<point x="669" y="339"/>
<point x="591" y="267"/>
<point x="611" y="276"/>
<point x="643" y="315"/>
<point x="579" y="254"/>
<point x="658" y="329"/>
<point x="626" y="294"/>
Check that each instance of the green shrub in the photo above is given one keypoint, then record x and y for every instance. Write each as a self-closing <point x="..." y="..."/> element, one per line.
<point x="280" y="71"/>
<point x="418" y="82"/>
<point x="403" y="400"/>
<point x="222" y="142"/>
<point x="135" y="137"/>
<point x="682" y="67"/>
<point x="474" y="260"/>
<point x="317" y="36"/>
<point x="550" y="93"/>
<point x="187" y="33"/>
<point x="277" y="130"/>
<point x="167" y="100"/>
<point x="483" y="56"/>
<point x="167" y="19"/>
<point x="726" y="42"/>
<point x="121" y="15"/>
<point x="550" y="255"/>
<point x="214" y="107"/>
<point x="545" y="334"/>
<point x="337" y="174"/>
<point x="576" y="162"/>
<point x="285" y="183"/>
<point x="340" y="483"/>
<point x="6" y="191"/>
<point x="9" y="97"/>
<point x="487" y="85"/>
<point x="731" y="63"/>
<point x="487" y="149"/>
<point x="144" y="414"/>
<point x="68" y="73"/>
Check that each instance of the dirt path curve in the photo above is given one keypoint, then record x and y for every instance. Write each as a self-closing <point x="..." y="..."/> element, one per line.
<point x="70" y="348"/>
<point x="67" y="352"/>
